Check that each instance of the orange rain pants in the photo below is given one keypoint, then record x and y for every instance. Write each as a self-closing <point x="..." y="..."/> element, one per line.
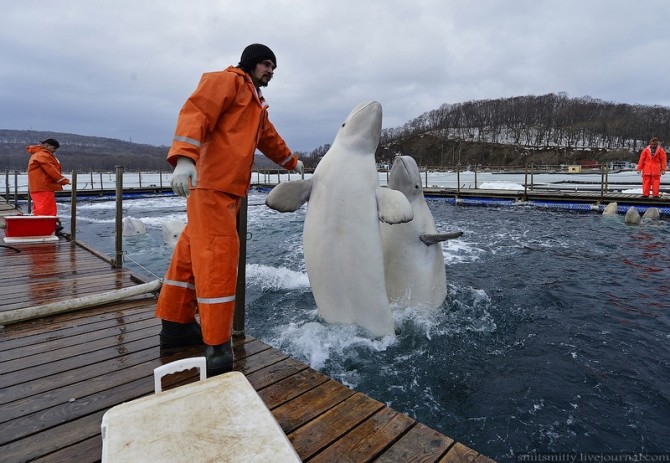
<point x="203" y="272"/>
<point x="651" y="182"/>
<point x="44" y="202"/>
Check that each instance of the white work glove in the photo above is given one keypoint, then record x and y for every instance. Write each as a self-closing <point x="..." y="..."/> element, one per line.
<point x="300" y="168"/>
<point x="183" y="172"/>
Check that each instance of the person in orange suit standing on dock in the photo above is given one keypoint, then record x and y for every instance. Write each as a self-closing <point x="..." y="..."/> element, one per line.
<point x="218" y="131"/>
<point x="652" y="164"/>
<point x="44" y="176"/>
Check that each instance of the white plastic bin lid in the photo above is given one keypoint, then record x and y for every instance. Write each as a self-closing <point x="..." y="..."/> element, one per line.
<point x="219" y="419"/>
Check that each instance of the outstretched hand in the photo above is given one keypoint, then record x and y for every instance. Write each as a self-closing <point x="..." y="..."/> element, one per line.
<point x="183" y="172"/>
<point x="299" y="168"/>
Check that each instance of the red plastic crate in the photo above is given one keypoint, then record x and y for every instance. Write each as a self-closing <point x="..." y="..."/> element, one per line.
<point x="24" y="226"/>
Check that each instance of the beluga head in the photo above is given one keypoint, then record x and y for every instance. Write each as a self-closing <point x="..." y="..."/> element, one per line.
<point x="405" y="177"/>
<point x="362" y="128"/>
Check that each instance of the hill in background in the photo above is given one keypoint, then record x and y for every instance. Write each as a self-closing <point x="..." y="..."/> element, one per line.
<point x="548" y="129"/>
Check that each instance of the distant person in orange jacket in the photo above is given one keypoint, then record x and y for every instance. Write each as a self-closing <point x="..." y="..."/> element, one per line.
<point x="44" y="176"/>
<point x="218" y="131"/>
<point x="652" y="164"/>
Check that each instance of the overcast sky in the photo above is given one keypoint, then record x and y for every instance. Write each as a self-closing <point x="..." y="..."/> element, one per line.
<point x="123" y="68"/>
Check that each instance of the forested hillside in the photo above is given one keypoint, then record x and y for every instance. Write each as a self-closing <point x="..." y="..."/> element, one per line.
<point x="549" y="129"/>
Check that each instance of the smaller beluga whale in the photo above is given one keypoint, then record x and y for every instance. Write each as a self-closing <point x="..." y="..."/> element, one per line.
<point x="132" y="227"/>
<point x="632" y="216"/>
<point x="414" y="268"/>
<point x="342" y="240"/>
<point x="611" y="210"/>
<point x="171" y="230"/>
<point x="651" y="214"/>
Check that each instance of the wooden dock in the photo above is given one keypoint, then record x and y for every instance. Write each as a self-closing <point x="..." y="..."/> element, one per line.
<point x="60" y="374"/>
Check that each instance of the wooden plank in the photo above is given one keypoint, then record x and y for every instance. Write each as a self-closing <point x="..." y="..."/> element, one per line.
<point x="72" y="355"/>
<point x="64" y="413"/>
<point x="82" y="359"/>
<point x="332" y="425"/>
<point x="274" y="373"/>
<point x="291" y="387"/>
<point x="134" y="311"/>
<point x="249" y="364"/>
<point x="86" y="451"/>
<point x="52" y="440"/>
<point x="367" y="440"/>
<point x="51" y="345"/>
<point x="420" y="444"/>
<point x="38" y="293"/>
<point x="291" y="415"/>
<point x="460" y="452"/>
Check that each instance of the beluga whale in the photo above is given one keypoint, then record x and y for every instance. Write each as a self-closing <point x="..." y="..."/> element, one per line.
<point x="414" y="266"/>
<point x="342" y="240"/>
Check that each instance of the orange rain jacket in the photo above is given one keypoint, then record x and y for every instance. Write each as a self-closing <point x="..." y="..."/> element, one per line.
<point x="44" y="171"/>
<point x="220" y="126"/>
<point x="649" y="165"/>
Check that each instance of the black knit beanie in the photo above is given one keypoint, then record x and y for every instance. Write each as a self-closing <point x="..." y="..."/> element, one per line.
<point x="254" y="54"/>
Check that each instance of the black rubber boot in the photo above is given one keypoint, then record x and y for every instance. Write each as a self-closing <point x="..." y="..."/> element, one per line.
<point x="180" y="334"/>
<point x="219" y="358"/>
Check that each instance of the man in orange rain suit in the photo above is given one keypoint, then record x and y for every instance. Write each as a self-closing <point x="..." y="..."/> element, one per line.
<point x="44" y="176"/>
<point x="653" y="162"/>
<point x="218" y="131"/>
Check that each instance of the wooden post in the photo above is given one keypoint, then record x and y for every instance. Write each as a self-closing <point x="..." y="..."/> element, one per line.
<point x="118" y="260"/>
<point x="102" y="186"/>
<point x="73" y="207"/>
<point x="240" y="291"/>
<point x="16" y="190"/>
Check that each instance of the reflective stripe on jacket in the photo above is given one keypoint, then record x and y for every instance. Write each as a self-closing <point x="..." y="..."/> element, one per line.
<point x="652" y="165"/>
<point x="220" y="127"/>
<point x="44" y="171"/>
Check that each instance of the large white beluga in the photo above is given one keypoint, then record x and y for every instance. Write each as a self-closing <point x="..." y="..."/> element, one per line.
<point x="342" y="236"/>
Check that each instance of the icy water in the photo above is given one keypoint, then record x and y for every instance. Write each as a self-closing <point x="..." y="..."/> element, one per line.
<point x="555" y="335"/>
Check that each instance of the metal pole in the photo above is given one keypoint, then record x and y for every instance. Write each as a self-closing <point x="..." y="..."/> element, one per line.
<point x="7" y="185"/>
<point x="16" y="189"/>
<point x="118" y="261"/>
<point x="532" y="175"/>
<point x="29" y="199"/>
<point x="102" y="186"/>
<point x="240" y="291"/>
<point x="458" y="180"/>
<point x="475" y="176"/>
<point x="525" y="182"/>
<point x="139" y="173"/>
<point x="73" y="207"/>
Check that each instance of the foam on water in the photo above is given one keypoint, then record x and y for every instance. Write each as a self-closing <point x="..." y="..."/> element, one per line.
<point x="271" y="278"/>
